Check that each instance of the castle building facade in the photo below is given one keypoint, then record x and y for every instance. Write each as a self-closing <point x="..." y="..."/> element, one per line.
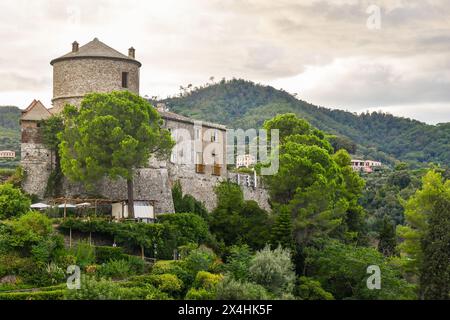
<point x="198" y="160"/>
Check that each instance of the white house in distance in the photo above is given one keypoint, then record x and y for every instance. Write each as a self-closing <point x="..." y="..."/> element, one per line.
<point x="7" y="154"/>
<point x="245" y="160"/>
<point x="365" y="165"/>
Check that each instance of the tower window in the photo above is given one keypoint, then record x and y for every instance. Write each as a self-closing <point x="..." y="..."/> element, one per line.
<point x="124" y="79"/>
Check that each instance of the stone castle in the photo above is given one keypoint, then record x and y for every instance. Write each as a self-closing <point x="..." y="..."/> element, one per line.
<point x="96" y="67"/>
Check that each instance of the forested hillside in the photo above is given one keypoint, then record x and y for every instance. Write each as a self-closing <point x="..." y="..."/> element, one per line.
<point x="9" y="133"/>
<point x="244" y="104"/>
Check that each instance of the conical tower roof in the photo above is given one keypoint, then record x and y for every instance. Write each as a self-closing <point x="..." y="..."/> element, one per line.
<point x="95" y="49"/>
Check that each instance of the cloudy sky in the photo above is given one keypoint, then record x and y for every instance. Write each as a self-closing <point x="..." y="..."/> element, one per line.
<point x="391" y="55"/>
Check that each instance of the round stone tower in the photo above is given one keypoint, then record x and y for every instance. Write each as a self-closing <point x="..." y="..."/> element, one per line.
<point x="94" y="67"/>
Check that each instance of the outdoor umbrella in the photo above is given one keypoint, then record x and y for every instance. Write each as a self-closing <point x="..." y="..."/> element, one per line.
<point x="67" y="205"/>
<point x="84" y="204"/>
<point x="39" y="206"/>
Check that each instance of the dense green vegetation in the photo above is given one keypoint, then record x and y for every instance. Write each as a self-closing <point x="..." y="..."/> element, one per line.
<point x="327" y="226"/>
<point x="9" y="134"/>
<point x="243" y="104"/>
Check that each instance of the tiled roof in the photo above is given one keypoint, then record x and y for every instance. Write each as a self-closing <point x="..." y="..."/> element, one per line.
<point x="35" y="112"/>
<point x="95" y="49"/>
<point x="178" y="117"/>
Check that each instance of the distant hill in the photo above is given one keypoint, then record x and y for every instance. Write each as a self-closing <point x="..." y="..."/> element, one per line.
<point x="9" y="133"/>
<point x="381" y="136"/>
<point x="244" y="104"/>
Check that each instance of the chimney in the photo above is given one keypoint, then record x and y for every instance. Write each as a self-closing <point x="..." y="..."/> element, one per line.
<point x="131" y="52"/>
<point x="75" y="46"/>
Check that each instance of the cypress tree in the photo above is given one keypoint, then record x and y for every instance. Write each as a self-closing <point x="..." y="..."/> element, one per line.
<point x="435" y="271"/>
<point x="282" y="231"/>
<point x="387" y="244"/>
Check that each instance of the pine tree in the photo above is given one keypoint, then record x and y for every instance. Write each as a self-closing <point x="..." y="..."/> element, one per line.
<point x="435" y="271"/>
<point x="387" y="244"/>
<point x="282" y="231"/>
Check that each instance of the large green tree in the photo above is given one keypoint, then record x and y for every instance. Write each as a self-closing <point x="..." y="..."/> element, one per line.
<point x="435" y="271"/>
<point x="282" y="233"/>
<point x="13" y="202"/>
<point x="387" y="240"/>
<point x="236" y="221"/>
<point x="51" y="128"/>
<point x="111" y="135"/>
<point x="187" y="203"/>
<point x="426" y="236"/>
<point x="417" y="214"/>
<point x="316" y="184"/>
<point x="342" y="271"/>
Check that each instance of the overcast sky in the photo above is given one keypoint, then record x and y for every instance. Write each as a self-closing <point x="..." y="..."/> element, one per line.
<point x="336" y="54"/>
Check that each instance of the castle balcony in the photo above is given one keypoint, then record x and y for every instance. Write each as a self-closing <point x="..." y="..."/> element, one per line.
<point x="200" y="168"/>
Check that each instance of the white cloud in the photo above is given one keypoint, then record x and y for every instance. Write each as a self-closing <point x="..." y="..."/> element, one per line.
<point x="321" y="49"/>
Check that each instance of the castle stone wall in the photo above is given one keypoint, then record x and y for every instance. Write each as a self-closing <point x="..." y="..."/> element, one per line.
<point x="149" y="184"/>
<point x="37" y="163"/>
<point x="200" y="186"/>
<point x="152" y="183"/>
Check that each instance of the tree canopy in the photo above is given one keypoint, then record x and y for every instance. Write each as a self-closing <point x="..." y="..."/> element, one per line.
<point x="111" y="135"/>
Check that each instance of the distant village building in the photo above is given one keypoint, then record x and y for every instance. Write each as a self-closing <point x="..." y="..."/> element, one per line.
<point x="7" y="154"/>
<point x="365" y="165"/>
<point x="245" y="160"/>
<point x="198" y="163"/>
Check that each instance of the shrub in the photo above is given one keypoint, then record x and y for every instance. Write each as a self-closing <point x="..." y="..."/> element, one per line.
<point x="155" y="294"/>
<point x="65" y="260"/>
<point x="200" y="294"/>
<point x="230" y="289"/>
<point x="48" y="249"/>
<point x="310" y="289"/>
<point x="187" y="227"/>
<point x="102" y="289"/>
<point x="238" y="262"/>
<point x="52" y="274"/>
<point x="142" y="235"/>
<point x="84" y="253"/>
<point x="12" y="264"/>
<point x="42" y="275"/>
<point x="167" y="283"/>
<point x="142" y="292"/>
<point x="199" y="259"/>
<point x="13" y="202"/>
<point x="342" y="270"/>
<point x="30" y="229"/>
<point x="34" y="295"/>
<point x="207" y="280"/>
<point x="137" y="265"/>
<point x="274" y="270"/>
<point x="93" y="289"/>
<point x="17" y="177"/>
<point x="115" y="269"/>
<point x="173" y="267"/>
<point x="104" y="254"/>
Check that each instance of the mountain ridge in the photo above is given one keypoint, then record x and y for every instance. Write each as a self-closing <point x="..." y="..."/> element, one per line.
<point x="239" y="103"/>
